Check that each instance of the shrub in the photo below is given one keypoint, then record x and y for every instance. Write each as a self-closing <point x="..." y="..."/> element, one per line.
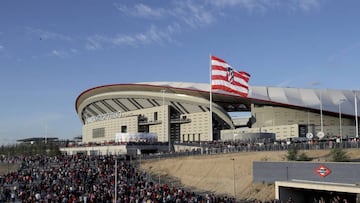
<point x="292" y="153"/>
<point x="303" y="157"/>
<point x="339" y="155"/>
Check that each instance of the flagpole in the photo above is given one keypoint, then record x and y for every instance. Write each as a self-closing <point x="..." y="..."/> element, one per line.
<point x="210" y="92"/>
<point x="356" y="118"/>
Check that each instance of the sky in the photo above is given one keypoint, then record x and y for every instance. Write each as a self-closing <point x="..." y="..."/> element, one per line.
<point x="52" y="51"/>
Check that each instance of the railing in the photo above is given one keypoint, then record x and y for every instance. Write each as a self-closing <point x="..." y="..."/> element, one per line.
<point x="180" y="120"/>
<point x="149" y="122"/>
<point x="220" y="148"/>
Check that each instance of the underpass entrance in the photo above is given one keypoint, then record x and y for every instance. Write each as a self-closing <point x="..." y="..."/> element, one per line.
<point x="309" y="191"/>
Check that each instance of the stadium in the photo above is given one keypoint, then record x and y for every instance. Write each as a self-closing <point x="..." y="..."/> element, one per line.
<point x="179" y="112"/>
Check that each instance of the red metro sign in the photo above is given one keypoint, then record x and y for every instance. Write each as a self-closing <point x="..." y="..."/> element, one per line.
<point x="322" y="171"/>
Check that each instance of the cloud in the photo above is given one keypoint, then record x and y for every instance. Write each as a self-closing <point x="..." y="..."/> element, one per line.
<point x="64" y="53"/>
<point x="47" y="35"/>
<point x="58" y="53"/>
<point x="183" y="16"/>
<point x="201" y="13"/>
<point x="265" y="5"/>
<point x="142" y="10"/>
<point x="95" y="42"/>
<point x="180" y="15"/>
<point x="249" y="5"/>
<point x="3" y="52"/>
<point x="152" y="35"/>
<point x="192" y="14"/>
<point x="74" y="51"/>
<point x="307" y="5"/>
<point x="181" y="12"/>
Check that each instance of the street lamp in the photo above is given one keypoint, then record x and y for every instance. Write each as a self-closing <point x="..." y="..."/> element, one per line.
<point x="159" y="170"/>
<point x="308" y="121"/>
<point x="234" y="177"/>
<point x="321" y="114"/>
<point x="116" y="173"/>
<point x="340" y="129"/>
<point x="356" y="117"/>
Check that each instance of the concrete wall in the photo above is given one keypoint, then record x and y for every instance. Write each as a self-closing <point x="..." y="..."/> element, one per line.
<point x="271" y="118"/>
<point x="130" y="120"/>
<point x="269" y="172"/>
<point x="96" y="150"/>
<point x="282" y="132"/>
<point x="116" y="149"/>
<point x="199" y="127"/>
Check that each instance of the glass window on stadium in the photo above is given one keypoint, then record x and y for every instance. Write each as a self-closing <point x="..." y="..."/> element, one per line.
<point x="155" y="116"/>
<point x="124" y="129"/>
<point x="98" y="132"/>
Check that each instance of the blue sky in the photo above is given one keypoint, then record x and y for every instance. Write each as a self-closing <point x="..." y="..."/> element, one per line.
<point x="51" y="51"/>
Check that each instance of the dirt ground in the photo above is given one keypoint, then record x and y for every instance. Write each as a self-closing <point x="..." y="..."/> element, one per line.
<point x="215" y="173"/>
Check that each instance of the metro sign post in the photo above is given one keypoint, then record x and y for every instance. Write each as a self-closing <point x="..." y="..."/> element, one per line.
<point x="322" y="171"/>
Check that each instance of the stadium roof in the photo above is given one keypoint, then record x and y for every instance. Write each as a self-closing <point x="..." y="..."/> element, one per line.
<point x="331" y="100"/>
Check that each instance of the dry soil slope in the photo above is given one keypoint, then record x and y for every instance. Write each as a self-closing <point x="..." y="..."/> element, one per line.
<point x="214" y="173"/>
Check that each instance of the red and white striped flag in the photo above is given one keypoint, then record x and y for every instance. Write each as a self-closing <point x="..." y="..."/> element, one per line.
<point x="224" y="77"/>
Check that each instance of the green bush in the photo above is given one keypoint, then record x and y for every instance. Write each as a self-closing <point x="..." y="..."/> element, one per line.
<point x="303" y="157"/>
<point x="293" y="154"/>
<point x="339" y="155"/>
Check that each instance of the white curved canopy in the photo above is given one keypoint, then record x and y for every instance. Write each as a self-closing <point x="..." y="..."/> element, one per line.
<point x="192" y="97"/>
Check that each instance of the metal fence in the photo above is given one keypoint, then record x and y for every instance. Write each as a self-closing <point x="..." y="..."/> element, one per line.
<point x="221" y="148"/>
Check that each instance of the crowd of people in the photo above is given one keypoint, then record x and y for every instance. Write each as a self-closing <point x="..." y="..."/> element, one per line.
<point x="88" y="179"/>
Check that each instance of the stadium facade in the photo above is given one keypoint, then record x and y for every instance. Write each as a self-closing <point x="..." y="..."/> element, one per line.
<point x="180" y="112"/>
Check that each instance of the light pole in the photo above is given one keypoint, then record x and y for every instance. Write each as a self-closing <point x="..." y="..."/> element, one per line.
<point x="321" y="114"/>
<point x="356" y="117"/>
<point x="46" y="132"/>
<point x="308" y="121"/>
<point x="116" y="172"/>
<point x="233" y="159"/>
<point x="159" y="170"/>
<point x="340" y="129"/>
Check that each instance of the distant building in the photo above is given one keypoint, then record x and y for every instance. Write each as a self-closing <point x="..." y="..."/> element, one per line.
<point x="34" y="140"/>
